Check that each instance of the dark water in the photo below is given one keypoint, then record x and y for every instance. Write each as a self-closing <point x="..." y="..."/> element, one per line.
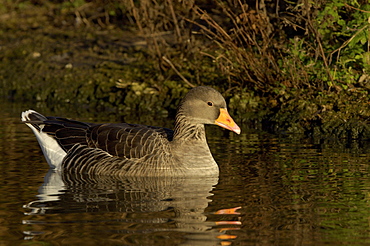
<point x="272" y="190"/>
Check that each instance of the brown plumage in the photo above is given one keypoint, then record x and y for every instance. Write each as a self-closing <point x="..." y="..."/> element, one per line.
<point x="132" y="149"/>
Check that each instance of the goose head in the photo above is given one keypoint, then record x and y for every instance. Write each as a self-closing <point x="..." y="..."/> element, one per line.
<point x="205" y="105"/>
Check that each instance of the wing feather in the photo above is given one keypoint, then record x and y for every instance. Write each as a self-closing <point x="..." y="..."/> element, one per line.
<point x="127" y="140"/>
<point x="66" y="132"/>
<point x="117" y="139"/>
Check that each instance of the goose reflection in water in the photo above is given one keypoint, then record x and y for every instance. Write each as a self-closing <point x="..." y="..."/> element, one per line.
<point x="141" y="206"/>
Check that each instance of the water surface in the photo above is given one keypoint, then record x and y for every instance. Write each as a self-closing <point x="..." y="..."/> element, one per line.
<point x="272" y="190"/>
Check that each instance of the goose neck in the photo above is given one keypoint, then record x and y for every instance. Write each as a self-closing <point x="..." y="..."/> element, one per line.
<point x="187" y="131"/>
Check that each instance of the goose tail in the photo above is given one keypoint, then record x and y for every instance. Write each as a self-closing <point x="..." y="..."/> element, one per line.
<point x="53" y="152"/>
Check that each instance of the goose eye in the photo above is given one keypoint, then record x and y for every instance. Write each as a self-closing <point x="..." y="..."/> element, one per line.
<point x="210" y="104"/>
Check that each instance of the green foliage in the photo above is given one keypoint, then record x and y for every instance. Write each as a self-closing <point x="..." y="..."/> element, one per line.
<point x="344" y="31"/>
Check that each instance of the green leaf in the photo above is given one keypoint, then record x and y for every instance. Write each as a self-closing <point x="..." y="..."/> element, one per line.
<point x="357" y="38"/>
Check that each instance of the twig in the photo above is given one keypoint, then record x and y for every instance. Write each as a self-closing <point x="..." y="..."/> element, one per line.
<point x="177" y="71"/>
<point x="321" y="49"/>
<point x="175" y="22"/>
<point x="346" y="43"/>
<point x="136" y="16"/>
<point x="349" y="6"/>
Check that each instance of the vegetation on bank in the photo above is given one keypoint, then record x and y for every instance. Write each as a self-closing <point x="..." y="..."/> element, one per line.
<point x="288" y="66"/>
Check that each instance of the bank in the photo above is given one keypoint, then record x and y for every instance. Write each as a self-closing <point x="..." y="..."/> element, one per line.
<point x="61" y="54"/>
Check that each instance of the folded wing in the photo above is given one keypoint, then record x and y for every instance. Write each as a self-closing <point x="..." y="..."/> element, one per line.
<point x="120" y="140"/>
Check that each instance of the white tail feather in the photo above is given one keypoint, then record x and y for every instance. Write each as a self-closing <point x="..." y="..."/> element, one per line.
<point x="53" y="152"/>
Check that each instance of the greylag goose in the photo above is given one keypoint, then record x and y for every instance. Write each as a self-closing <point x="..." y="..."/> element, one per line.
<point x="122" y="149"/>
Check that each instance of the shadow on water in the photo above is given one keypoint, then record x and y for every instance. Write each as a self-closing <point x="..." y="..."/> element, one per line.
<point x="149" y="211"/>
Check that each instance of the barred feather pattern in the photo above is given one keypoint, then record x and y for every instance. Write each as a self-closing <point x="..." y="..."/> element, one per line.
<point x="184" y="131"/>
<point x="94" y="161"/>
<point x="116" y="149"/>
<point x="128" y="140"/>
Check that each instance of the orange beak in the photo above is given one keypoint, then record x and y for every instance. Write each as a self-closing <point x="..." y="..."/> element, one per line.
<point x="225" y="121"/>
